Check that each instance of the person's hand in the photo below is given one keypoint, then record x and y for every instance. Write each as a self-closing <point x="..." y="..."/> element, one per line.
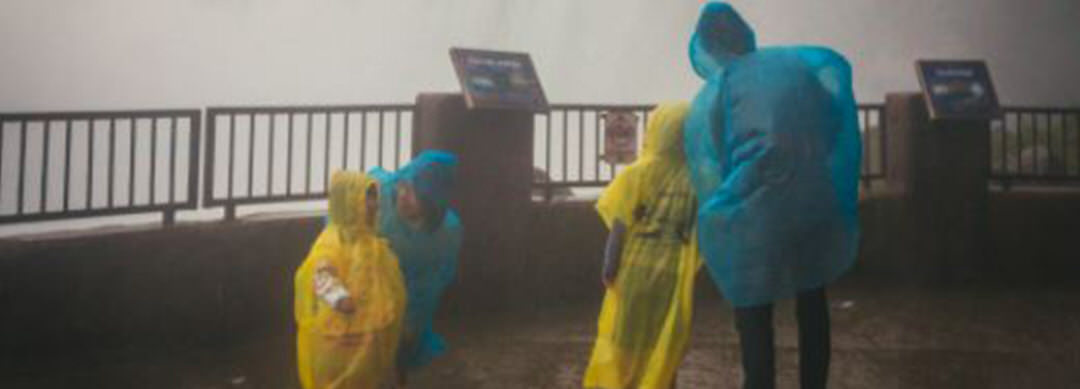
<point x="345" y="305"/>
<point x="608" y="276"/>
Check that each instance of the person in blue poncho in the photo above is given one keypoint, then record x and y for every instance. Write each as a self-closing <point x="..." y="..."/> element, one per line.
<point x="773" y="146"/>
<point x="426" y="235"/>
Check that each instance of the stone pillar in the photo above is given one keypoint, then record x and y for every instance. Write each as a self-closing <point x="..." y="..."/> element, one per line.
<point x="940" y="169"/>
<point x="494" y="179"/>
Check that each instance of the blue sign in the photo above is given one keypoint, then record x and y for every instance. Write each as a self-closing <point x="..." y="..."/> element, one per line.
<point x="498" y="80"/>
<point x="961" y="90"/>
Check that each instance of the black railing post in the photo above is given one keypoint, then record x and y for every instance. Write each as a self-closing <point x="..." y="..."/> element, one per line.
<point x="1076" y="131"/>
<point x="251" y="156"/>
<point x="230" y="212"/>
<point x="231" y="149"/>
<point x="22" y="166"/>
<point x="45" y="167"/>
<point x="413" y="131"/>
<point x="211" y="153"/>
<point x="363" y="139"/>
<point x="172" y="159"/>
<point x="195" y="131"/>
<point x="869" y="135"/>
<point x="883" y="128"/>
<point x="133" y="139"/>
<point x="168" y="218"/>
<point x="67" y="164"/>
<point x="547" y="149"/>
<point x="270" y="156"/>
<point x="328" y="126"/>
<point x="153" y="160"/>
<point x="597" y="140"/>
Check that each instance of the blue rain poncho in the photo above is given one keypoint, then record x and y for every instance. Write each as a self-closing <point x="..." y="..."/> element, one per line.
<point x="428" y="255"/>
<point x="773" y="145"/>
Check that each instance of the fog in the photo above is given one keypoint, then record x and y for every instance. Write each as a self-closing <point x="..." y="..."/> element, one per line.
<point x="124" y="54"/>
<point x="63" y="55"/>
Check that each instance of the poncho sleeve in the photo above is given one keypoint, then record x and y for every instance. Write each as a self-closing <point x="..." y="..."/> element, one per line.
<point x="454" y="234"/>
<point x="621" y="198"/>
<point x="305" y="304"/>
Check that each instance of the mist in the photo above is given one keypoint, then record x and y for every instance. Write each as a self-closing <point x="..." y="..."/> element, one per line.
<point x="66" y="55"/>
<point x="131" y="54"/>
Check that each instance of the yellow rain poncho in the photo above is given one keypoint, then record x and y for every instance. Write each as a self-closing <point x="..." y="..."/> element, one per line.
<point x="645" y="320"/>
<point x="356" y="349"/>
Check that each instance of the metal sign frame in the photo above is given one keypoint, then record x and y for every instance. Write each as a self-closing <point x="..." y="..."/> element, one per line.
<point x="498" y="80"/>
<point x="958" y="89"/>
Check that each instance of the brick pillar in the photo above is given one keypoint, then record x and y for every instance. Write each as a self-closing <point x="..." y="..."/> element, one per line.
<point x="940" y="169"/>
<point x="494" y="178"/>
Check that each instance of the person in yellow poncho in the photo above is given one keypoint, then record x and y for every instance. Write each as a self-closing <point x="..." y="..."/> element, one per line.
<point x="650" y="263"/>
<point x="349" y="296"/>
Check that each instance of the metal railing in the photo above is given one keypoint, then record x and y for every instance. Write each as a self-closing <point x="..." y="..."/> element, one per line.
<point x="280" y="154"/>
<point x="80" y="164"/>
<point x="874" y="137"/>
<point x="564" y="166"/>
<point x="582" y="166"/>
<point x="1032" y="145"/>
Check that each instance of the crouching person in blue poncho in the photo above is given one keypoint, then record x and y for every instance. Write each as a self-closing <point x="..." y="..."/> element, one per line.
<point x="425" y="234"/>
<point x="773" y="146"/>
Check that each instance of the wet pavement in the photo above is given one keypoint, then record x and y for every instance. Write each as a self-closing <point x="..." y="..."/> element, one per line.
<point x="882" y="338"/>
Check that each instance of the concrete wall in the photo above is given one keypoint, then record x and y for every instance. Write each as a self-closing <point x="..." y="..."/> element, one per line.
<point x="219" y="283"/>
<point x="1032" y="241"/>
<point x="196" y="284"/>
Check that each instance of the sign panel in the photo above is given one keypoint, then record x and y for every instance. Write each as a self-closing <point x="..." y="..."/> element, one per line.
<point x="498" y="80"/>
<point x="620" y="137"/>
<point x="958" y="90"/>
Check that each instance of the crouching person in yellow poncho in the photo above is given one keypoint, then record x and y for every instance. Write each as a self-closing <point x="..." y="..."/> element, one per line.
<point x="650" y="263"/>
<point x="350" y="295"/>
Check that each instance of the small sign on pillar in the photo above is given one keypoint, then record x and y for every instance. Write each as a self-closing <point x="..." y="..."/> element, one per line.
<point x="958" y="90"/>
<point x="498" y="80"/>
<point x="620" y="137"/>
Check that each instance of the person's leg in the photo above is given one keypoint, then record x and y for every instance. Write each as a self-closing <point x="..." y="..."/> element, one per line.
<point x="756" y="342"/>
<point x="402" y="377"/>
<point x="814" y="338"/>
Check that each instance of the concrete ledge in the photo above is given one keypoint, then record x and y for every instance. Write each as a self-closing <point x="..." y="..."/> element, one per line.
<point x="218" y="283"/>
<point x="198" y="284"/>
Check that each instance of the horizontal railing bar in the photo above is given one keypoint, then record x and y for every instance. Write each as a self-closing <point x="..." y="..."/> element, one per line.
<point x="574" y="107"/>
<point x="235" y="110"/>
<point x="565" y="184"/>
<point x="264" y="199"/>
<point x="97" y="115"/>
<point x="601" y="107"/>
<point x="1033" y="109"/>
<point x="27" y="217"/>
<point x="1028" y="176"/>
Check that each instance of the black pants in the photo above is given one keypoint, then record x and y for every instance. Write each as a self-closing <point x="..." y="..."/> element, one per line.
<point x="756" y="340"/>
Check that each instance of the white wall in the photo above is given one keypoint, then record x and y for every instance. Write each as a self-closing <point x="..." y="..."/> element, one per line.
<point x="91" y="54"/>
